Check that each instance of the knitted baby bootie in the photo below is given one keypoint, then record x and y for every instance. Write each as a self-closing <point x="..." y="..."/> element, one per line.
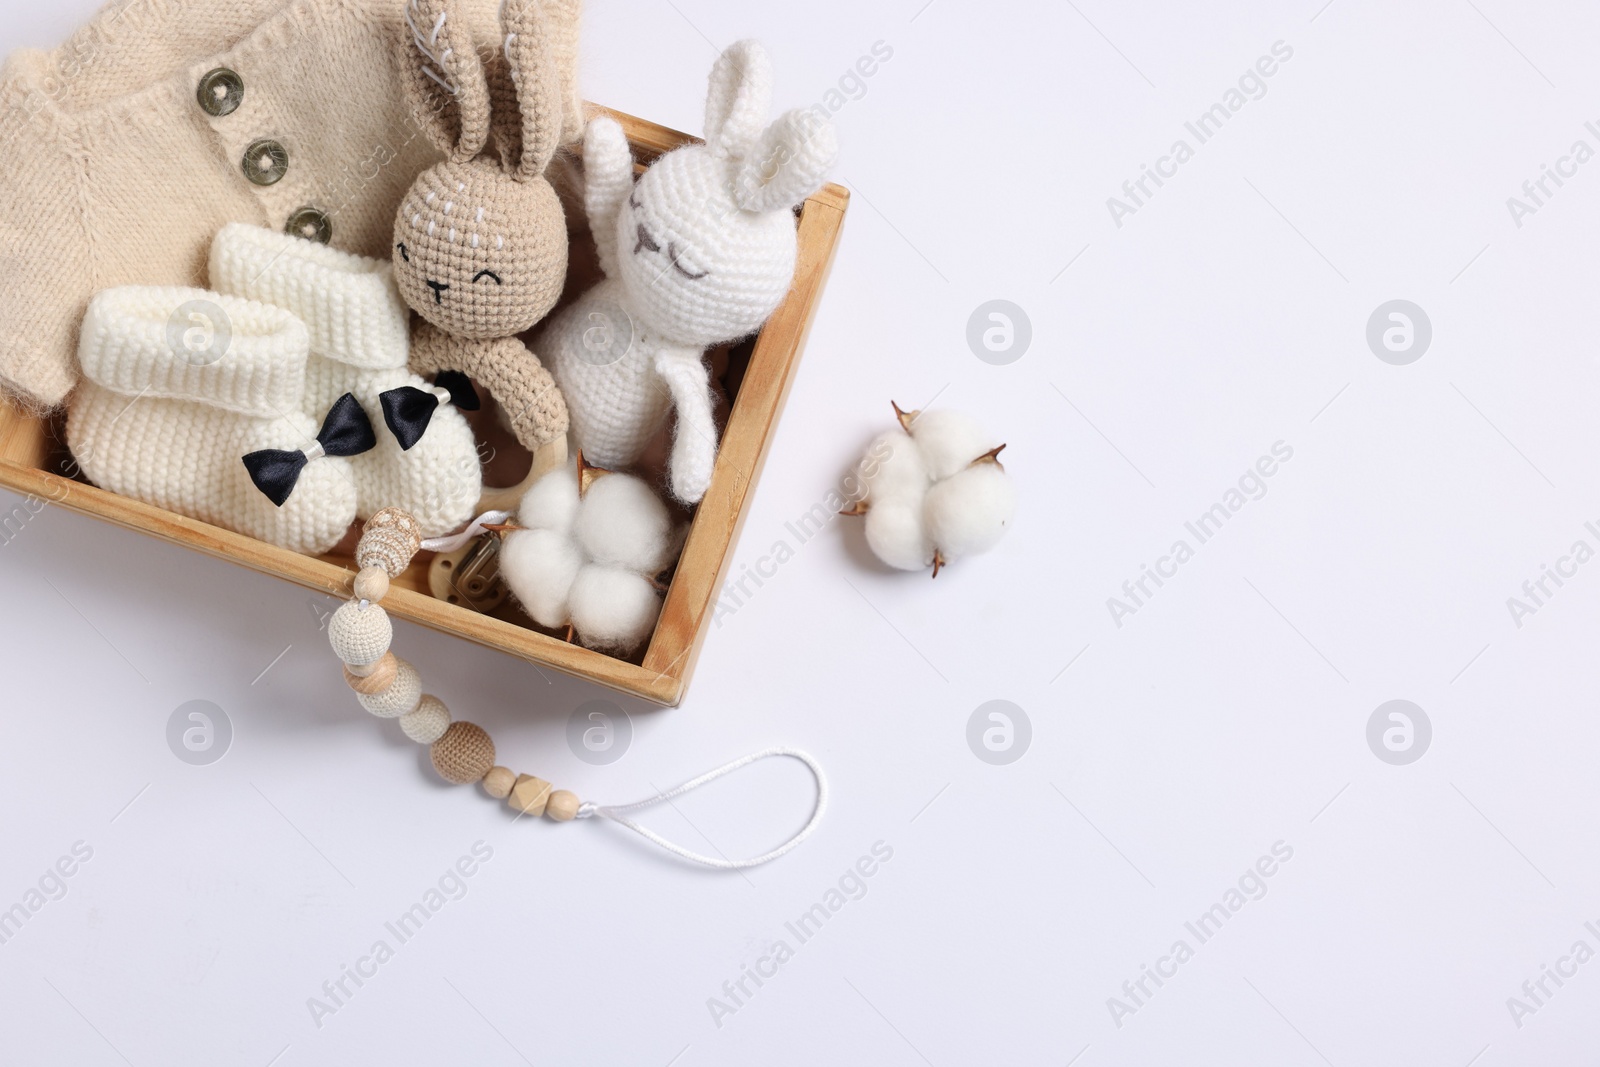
<point x="426" y="461"/>
<point x="178" y="386"/>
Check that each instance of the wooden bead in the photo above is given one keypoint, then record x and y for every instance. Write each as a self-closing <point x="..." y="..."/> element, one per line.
<point x="374" y="678"/>
<point x="563" y="805"/>
<point x="372" y="583"/>
<point x="498" y="782"/>
<point x="464" y="754"/>
<point x="529" y="795"/>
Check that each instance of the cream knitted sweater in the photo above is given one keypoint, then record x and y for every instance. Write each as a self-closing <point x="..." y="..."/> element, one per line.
<point x="113" y="174"/>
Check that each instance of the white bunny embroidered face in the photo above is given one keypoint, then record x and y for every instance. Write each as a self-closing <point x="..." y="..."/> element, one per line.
<point x="697" y="267"/>
<point x="705" y="242"/>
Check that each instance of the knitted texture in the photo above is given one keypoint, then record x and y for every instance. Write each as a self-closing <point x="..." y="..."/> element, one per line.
<point x="480" y="240"/>
<point x="701" y="250"/>
<point x="360" y="635"/>
<point x="461" y="227"/>
<point x="402" y="695"/>
<point x="426" y="722"/>
<point x="463" y="754"/>
<point x="183" y="453"/>
<point x="388" y="541"/>
<point x="359" y="344"/>
<point x="173" y="343"/>
<point x="533" y="407"/>
<point x="348" y="303"/>
<point x="113" y="174"/>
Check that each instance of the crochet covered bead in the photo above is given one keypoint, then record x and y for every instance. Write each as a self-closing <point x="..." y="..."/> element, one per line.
<point x="426" y="722"/>
<point x="463" y="754"/>
<point x="389" y="540"/>
<point x="401" y="696"/>
<point x="360" y="635"/>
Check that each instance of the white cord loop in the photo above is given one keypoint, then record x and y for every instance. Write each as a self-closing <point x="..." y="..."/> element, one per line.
<point x="458" y="540"/>
<point x="614" y="812"/>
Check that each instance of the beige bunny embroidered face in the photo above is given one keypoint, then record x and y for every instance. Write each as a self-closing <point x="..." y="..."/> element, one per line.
<point x="480" y="239"/>
<point x="476" y="255"/>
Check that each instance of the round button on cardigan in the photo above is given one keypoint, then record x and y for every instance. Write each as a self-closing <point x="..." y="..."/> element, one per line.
<point x="265" y="162"/>
<point x="220" y="92"/>
<point x="117" y="173"/>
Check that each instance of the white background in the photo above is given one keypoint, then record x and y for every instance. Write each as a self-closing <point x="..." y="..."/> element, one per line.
<point x="1228" y="714"/>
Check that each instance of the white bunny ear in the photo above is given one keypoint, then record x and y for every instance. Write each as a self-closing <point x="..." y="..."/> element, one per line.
<point x="788" y="163"/>
<point x="607" y="182"/>
<point x="739" y="98"/>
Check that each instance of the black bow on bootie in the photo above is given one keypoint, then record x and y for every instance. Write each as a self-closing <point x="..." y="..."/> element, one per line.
<point x="408" y="410"/>
<point x="345" y="432"/>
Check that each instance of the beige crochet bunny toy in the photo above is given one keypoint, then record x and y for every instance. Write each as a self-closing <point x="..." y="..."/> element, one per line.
<point x="699" y="252"/>
<point x="480" y="238"/>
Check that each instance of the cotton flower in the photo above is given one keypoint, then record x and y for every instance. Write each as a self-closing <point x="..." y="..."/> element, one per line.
<point x="584" y="553"/>
<point x="936" y="491"/>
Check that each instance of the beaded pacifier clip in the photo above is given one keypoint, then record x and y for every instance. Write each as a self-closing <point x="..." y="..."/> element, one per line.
<point x="462" y="752"/>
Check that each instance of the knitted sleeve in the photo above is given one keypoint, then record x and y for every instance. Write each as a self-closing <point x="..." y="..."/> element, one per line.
<point x="46" y="266"/>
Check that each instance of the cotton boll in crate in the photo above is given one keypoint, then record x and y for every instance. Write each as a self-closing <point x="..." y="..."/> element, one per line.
<point x="584" y="554"/>
<point x="936" y="491"/>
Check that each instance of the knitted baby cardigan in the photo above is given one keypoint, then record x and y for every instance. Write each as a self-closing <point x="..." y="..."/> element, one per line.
<point x="117" y="169"/>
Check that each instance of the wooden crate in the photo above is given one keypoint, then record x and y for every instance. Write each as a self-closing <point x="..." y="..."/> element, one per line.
<point x="33" y="461"/>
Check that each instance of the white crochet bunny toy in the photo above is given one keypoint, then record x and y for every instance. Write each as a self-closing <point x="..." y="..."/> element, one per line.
<point x="480" y="238"/>
<point x="699" y="252"/>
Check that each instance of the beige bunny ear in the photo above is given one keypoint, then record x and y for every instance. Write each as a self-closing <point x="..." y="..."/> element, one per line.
<point x="562" y="18"/>
<point x="537" y="81"/>
<point x="738" y="99"/>
<point x="788" y="164"/>
<point x="447" y="78"/>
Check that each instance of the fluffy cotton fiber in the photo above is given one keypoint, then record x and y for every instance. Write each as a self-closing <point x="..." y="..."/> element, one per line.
<point x="935" y="492"/>
<point x="588" y="559"/>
